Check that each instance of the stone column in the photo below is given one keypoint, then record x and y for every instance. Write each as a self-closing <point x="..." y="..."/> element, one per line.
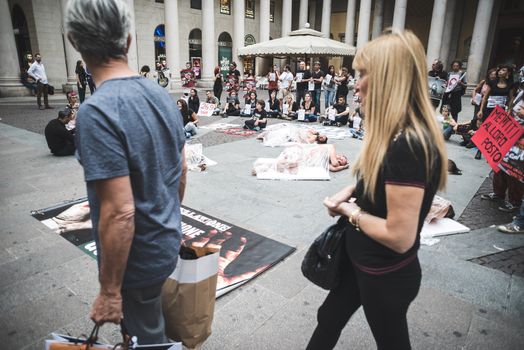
<point x="350" y="22"/>
<point x="9" y="69"/>
<point x="239" y="10"/>
<point x="264" y="20"/>
<point x="173" y="41"/>
<point x="446" y="33"/>
<point x="302" y="15"/>
<point x="436" y="31"/>
<point x="287" y="8"/>
<point x="132" y="55"/>
<point x="326" y="18"/>
<point x="479" y="39"/>
<point x="399" y="14"/>
<point x="209" y="41"/>
<point x="378" y="18"/>
<point x="364" y="18"/>
<point x="71" y="55"/>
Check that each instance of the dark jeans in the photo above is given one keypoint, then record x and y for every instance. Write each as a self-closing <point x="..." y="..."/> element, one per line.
<point x="300" y="96"/>
<point x="91" y="85"/>
<point x="448" y="132"/>
<point x="250" y="124"/>
<point x="385" y="298"/>
<point x="273" y="114"/>
<point x="30" y="86"/>
<point x="41" y="89"/>
<point x="316" y="98"/>
<point x="233" y="112"/>
<point x="81" y="92"/>
<point x="68" y="150"/>
<point x="503" y="183"/>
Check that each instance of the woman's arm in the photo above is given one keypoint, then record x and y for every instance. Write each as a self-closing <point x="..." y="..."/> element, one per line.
<point x="484" y="101"/>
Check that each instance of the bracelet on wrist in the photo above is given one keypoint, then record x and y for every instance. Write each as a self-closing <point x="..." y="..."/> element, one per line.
<point x="352" y="217"/>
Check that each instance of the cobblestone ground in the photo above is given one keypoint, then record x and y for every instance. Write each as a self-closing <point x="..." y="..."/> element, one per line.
<point x="510" y="261"/>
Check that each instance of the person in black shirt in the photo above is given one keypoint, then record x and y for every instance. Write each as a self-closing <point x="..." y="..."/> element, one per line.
<point x="81" y="80"/>
<point x="232" y="107"/>
<point x="302" y="77"/>
<point x="318" y="78"/>
<point x="189" y="117"/>
<point x="310" y="111"/>
<point x="399" y="170"/>
<point x="341" y="110"/>
<point x="498" y="93"/>
<point x="259" y="119"/>
<point x="193" y="102"/>
<point x="342" y="81"/>
<point x="289" y="108"/>
<point x="453" y="98"/>
<point x="274" y="105"/>
<point x="250" y="101"/>
<point x="60" y="141"/>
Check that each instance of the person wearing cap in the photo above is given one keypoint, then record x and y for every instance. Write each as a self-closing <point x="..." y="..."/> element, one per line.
<point x="61" y="142"/>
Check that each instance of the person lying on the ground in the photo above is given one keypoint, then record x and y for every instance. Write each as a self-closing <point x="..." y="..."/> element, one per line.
<point x="249" y="105"/>
<point x="212" y="99"/>
<point x="189" y="118"/>
<point x="337" y="162"/>
<point x="60" y="141"/>
<point x="284" y="134"/>
<point x="338" y="114"/>
<point x="259" y="119"/>
<point x="274" y="105"/>
<point x="289" y="108"/>
<point x="309" y="109"/>
<point x="232" y="107"/>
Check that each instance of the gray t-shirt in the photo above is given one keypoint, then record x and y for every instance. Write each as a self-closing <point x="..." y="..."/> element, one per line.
<point x="132" y="127"/>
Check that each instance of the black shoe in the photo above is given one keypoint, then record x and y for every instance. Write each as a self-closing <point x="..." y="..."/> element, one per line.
<point x="471" y="145"/>
<point x="478" y="155"/>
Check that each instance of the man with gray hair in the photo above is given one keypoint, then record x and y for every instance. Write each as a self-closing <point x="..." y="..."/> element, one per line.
<point x="130" y="141"/>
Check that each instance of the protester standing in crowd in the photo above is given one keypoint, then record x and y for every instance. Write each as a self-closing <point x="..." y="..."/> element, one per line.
<point x="498" y="92"/>
<point x="456" y="87"/>
<point x="437" y="71"/>
<point x="250" y="82"/>
<point x="217" y="85"/>
<point x="189" y="118"/>
<point x="37" y="72"/>
<point x="318" y="78"/>
<point x="401" y="167"/>
<point x="130" y="140"/>
<point x="285" y="80"/>
<point x="272" y="79"/>
<point x="342" y="81"/>
<point x="187" y="76"/>
<point x="302" y="77"/>
<point x="193" y="102"/>
<point x="81" y="80"/>
<point x="61" y="142"/>
<point x="480" y="90"/>
<point x="90" y="81"/>
<point x="329" y="87"/>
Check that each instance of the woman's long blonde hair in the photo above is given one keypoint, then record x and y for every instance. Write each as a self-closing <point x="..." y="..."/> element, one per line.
<point x="397" y="100"/>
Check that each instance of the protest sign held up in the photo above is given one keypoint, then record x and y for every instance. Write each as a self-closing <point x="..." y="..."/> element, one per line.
<point x="497" y="134"/>
<point x="206" y="109"/>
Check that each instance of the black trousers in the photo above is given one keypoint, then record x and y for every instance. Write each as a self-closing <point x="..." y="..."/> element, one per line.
<point x="68" y="150"/>
<point x="385" y="298"/>
<point x="41" y="89"/>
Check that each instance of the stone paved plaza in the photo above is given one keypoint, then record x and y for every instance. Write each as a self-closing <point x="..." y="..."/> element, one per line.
<point x="47" y="284"/>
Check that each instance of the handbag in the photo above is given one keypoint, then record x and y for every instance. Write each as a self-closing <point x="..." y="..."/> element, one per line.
<point x="322" y="262"/>
<point x="50" y="89"/>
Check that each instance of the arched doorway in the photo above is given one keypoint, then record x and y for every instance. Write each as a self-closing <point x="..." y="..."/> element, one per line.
<point x="160" y="42"/>
<point x="225" y="51"/>
<point x="21" y="31"/>
<point x="195" y="44"/>
<point x="249" y="63"/>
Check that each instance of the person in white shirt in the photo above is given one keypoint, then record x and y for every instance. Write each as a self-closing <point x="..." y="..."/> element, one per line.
<point x="285" y="79"/>
<point x="37" y="72"/>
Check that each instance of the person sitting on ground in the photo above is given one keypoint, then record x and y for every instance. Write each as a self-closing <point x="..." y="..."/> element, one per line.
<point x="210" y="98"/>
<point x="259" y="119"/>
<point x="193" y="102"/>
<point x="189" y="117"/>
<point x="308" y="105"/>
<point x="357" y="131"/>
<point x="72" y="101"/>
<point x="448" y="123"/>
<point x="249" y="105"/>
<point x="339" y="112"/>
<point x="274" y="105"/>
<point x="60" y="141"/>
<point x="232" y="107"/>
<point x="289" y="108"/>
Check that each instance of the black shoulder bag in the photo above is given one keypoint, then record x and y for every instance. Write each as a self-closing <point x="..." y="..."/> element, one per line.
<point x="322" y="262"/>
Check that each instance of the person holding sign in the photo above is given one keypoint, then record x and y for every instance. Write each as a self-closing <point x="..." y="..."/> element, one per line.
<point x="285" y="80"/>
<point x="289" y="108"/>
<point x="272" y="77"/>
<point x="259" y="119"/>
<point x="232" y="107"/>
<point x="307" y="112"/>
<point x="342" y="83"/>
<point x="338" y="114"/>
<point x="455" y="88"/>
<point x="249" y="105"/>
<point x="187" y="76"/>
<point x="317" y="77"/>
<point x="212" y="99"/>
<point x="302" y="77"/>
<point x="498" y="93"/>
<point x="401" y="167"/>
<point x="189" y="117"/>
<point x="329" y="87"/>
<point x="273" y="105"/>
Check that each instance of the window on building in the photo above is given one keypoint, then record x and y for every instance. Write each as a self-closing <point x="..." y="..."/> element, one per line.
<point x="225" y="7"/>
<point x="250" y="9"/>
<point x="159" y="1"/>
<point x="272" y="11"/>
<point x="196" y="4"/>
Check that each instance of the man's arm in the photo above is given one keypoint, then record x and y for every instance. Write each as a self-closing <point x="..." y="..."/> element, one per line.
<point x="31" y="72"/>
<point x="183" y="177"/>
<point x="116" y="230"/>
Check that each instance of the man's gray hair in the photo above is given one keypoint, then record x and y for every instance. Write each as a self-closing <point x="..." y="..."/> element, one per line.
<point x="98" y="29"/>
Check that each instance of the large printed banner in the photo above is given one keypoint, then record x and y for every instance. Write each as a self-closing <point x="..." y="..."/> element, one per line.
<point x="243" y="255"/>
<point x="497" y="134"/>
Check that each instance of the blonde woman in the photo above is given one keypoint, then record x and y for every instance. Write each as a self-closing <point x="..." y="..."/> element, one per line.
<point x="399" y="170"/>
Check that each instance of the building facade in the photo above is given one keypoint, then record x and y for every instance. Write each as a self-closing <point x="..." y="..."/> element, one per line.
<point x="479" y="33"/>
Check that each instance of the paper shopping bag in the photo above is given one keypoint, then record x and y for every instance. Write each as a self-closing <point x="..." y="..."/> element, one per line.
<point x="188" y="296"/>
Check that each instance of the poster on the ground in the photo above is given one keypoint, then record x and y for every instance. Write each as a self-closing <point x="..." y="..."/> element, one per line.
<point x="243" y="256"/>
<point x="497" y="134"/>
